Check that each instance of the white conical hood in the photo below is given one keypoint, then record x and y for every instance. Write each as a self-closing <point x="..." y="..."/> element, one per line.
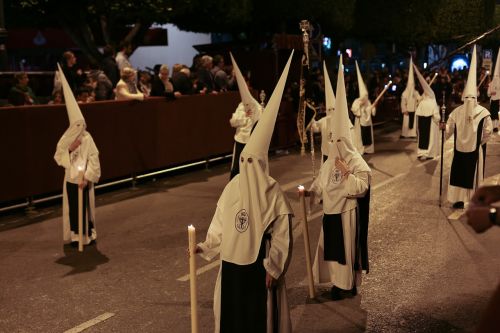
<point x="425" y="86"/>
<point x="74" y="113"/>
<point x="410" y="85"/>
<point x="470" y="89"/>
<point x="340" y="123"/>
<point x="361" y="84"/>
<point x="329" y="95"/>
<point x="496" y="73"/>
<point x="253" y="199"/>
<point x="494" y="88"/>
<point x="260" y="139"/>
<point x="246" y="96"/>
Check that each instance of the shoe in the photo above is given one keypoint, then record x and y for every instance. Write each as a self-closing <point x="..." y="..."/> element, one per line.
<point x="335" y="293"/>
<point x="354" y="291"/>
<point x="495" y="130"/>
<point x="458" y="204"/>
<point x="74" y="244"/>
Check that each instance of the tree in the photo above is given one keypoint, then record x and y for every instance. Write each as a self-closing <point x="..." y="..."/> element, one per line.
<point x="90" y="23"/>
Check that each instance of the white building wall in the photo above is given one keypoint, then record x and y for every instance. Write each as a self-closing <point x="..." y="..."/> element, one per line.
<point x="179" y="50"/>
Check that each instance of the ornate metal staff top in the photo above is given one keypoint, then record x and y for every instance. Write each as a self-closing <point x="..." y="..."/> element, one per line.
<point x="305" y="28"/>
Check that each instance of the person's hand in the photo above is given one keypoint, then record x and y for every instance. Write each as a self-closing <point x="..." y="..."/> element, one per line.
<point x="442" y="125"/>
<point x="478" y="218"/>
<point x="248" y="113"/>
<point x="486" y="195"/>
<point x="342" y="166"/>
<point x="75" y="144"/>
<point x="177" y="93"/>
<point x="83" y="184"/>
<point x="196" y="250"/>
<point x="270" y="281"/>
<point x="405" y="113"/>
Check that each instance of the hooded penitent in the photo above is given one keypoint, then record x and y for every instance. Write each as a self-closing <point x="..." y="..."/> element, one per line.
<point x="76" y="122"/>
<point x="467" y="121"/>
<point x="342" y="148"/>
<point x="363" y="92"/>
<point x="257" y="199"/>
<point x="246" y="97"/>
<point x="429" y="97"/>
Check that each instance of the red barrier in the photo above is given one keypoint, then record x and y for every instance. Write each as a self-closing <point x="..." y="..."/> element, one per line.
<point x="132" y="137"/>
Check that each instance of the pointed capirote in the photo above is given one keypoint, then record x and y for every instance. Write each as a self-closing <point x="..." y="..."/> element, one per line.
<point x="246" y="96"/>
<point x="361" y="84"/>
<point x="72" y="107"/>
<point x="470" y="89"/>
<point x="329" y="95"/>
<point x="340" y="123"/>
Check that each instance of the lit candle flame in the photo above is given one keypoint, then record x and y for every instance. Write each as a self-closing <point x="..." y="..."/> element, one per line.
<point x="301" y="188"/>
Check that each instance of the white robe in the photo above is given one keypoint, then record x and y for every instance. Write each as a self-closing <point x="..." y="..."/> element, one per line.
<point x="467" y="143"/>
<point x="275" y="264"/>
<point x="363" y="113"/>
<point x="323" y="126"/>
<point x="340" y="199"/>
<point x="92" y="172"/>
<point x="409" y="104"/>
<point x="428" y="107"/>
<point x="243" y="123"/>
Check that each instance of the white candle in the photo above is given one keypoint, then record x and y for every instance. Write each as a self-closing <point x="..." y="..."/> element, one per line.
<point x="305" y="232"/>
<point x="192" y="278"/>
<point x="80" y="210"/>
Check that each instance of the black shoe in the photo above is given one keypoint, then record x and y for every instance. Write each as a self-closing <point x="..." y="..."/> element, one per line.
<point x="458" y="204"/>
<point x="336" y="293"/>
<point x="74" y="244"/>
<point x="495" y="129"/>
<point x="354" y="291"/>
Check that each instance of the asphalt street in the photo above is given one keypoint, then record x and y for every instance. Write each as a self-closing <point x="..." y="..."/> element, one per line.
<point x="429" y="271"/>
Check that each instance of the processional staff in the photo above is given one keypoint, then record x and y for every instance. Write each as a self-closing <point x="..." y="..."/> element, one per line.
<point x="443" y="128"/>
<point x="301" y="125"/>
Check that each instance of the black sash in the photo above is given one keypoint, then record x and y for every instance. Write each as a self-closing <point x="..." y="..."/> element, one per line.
<point x="494" y="106"/>
<point x="362" y="234"/>
<point x="244" y="296"/>
<point x="333" y="238"/>
<point x="72" y="193"/>
<point x="424" y="131"/>
<point x="463" y="166"/>
<point x="366" y="135"/>
<point x="411" y="117"/>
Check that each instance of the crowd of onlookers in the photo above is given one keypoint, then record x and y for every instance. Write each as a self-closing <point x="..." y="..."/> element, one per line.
<point x="115" y="78"/>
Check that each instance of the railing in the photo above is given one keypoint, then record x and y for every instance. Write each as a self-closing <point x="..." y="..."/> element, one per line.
<point x="133" y="138"/>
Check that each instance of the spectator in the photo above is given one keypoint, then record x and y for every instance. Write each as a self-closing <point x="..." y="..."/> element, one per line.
<point x="122" y="57"/>
<point x="21" y="93"/>
<point x="126" y="88"/>
<point x="109" y="66"/>
<point x="145" y="83"/>
<point x="222" y="81"/>
<point x="85" y="94"/>
<point x="161" y="83"/>
<point x="181" y="80"/>
<point x="73" y="74"/>
<point x="57" y="98"/>
<point x="101" y="85"/>
<point x="205" y="83"/>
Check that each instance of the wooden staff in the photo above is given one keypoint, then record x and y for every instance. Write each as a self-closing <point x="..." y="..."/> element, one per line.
<point x="482" y="81"/>
<point x="192" y="278"/>
<point x="432" y="80"/>
<point x="382" y="93"/>
<point x="80" y="212"/>
<point x="442" y="121"/>
<point x="305" y="232"/>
